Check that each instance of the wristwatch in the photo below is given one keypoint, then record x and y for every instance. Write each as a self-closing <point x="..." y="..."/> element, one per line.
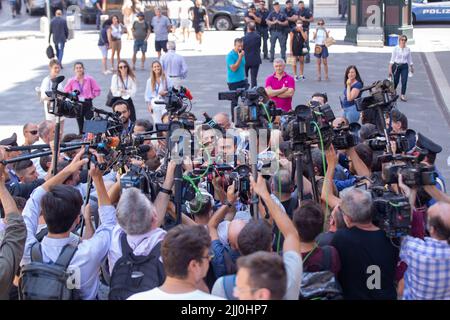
<point x="228" y="204"/>
<point x="166" y="191"/>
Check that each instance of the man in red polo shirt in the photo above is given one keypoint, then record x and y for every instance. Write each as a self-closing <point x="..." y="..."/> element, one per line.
<point x="280" y="86"/>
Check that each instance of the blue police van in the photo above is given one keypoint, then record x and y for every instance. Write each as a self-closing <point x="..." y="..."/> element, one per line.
<point x="430" y="11"/>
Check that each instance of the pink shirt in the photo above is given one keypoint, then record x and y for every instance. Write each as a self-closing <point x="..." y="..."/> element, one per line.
<point x="89" y="89"/>
<point x="286" y="81"/>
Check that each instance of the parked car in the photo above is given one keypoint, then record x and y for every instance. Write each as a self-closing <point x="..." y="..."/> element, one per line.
<point x="35" y="6"/>
<point x="222" y="14"/>
<point x="430" y="11"/>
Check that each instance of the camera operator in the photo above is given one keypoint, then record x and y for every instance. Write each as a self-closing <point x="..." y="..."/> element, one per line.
<point x="280" y="86"/>
<point x="223" y="120"/>
<point x="423" y="256"/>
<point x="151" y="159"/>
<point x="397" y="120"/>
<point x="28" y="177"/>
<point x="362" y="246"/>
<point x="122" y="107"/>
<point x="13" y="242"/>
<point x="322" y="98"/>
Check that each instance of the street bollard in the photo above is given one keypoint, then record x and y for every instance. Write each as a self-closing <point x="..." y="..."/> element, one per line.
<point x="43" y="25"/>
<point x="70" y="25"/>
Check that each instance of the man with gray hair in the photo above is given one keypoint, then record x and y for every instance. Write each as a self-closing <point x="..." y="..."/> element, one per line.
<point x="161" y="27"/>
<point x="280" y="86"/>
<point x="138" y="233"/>
<point x="174" y="65"/>
<point x="46" y="131"/>
<point x="368" y="257"/>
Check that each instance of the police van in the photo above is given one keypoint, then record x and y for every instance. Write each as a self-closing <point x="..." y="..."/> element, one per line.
<point x="430" y="11"/>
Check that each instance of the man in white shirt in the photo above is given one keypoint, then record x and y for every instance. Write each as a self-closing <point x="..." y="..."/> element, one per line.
<point x="185" y="254"/>
<point x="46" y="130"/>
<point x="61" y="206"/>
<point x="185" y="23"/>
<point x="174" y="65"/>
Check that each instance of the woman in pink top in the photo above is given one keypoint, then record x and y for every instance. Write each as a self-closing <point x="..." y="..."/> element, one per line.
<point x="88" y="90"/>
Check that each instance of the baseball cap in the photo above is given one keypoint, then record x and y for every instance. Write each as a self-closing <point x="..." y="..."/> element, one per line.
<point x="140" y="14"/>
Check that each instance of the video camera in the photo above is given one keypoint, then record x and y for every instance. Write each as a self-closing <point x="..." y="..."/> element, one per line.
<point x="346" y="136"/>
<point x="63" y="104"/>
<point x="309" y="125"/>
<point x="378" y="142"/>
<point x="177" y="101"/>
<point x="255" y="109"/>
<point x="382" y="94"/>
<point x="391" y="212"/>
<point x="414" y="173"/>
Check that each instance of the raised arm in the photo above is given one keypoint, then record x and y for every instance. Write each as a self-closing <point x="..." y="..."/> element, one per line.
<point x="327" y="194"/>
<point x="162" y="199"/>
<point x="219" y="215"/>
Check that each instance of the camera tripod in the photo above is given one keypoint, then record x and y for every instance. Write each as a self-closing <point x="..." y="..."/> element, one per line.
<point x="300" y="150"/>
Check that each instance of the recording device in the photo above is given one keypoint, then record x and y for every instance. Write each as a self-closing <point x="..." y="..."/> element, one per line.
<point x="402" y="140"/>
<point x="142" y="179"/>
<point x="177" y="101"/>
<point x="346" y="137"/>
<point x="308" y="125"/>
<point x="382" y="94"/>
<point x="391" y="212"/>
<point x="211" y="123"/>
<point x="241" y="178"/>
<point x="63" y="104"/>
<point x="255" y="109"/>
<point x="414" y="173"/>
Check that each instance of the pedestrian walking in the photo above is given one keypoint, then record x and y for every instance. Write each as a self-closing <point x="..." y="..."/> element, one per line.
<point x="156" y="89"/>
<point x="199" y="21"/>
<point x="104" y="45"/>
<point x="185" y="23"/>
<point x="123" y="86"/>
<point x="89" y="90"/>
<point x="252" y="49"/>
<point x="161" y="27"/>
<point x="99" y="10"/>
<point x="401" y="65"/>
<point x="115" y="38"/>
<point x="60" y="32"/>
<point x="277" y="22"/>
<point x="320" y="49"/>
<point x="263" y="28"/>
<point x="352" y="91"/>
<point x="141" y="32"/>
<point x="174" y="65"/>
<point x="299" y="49"/>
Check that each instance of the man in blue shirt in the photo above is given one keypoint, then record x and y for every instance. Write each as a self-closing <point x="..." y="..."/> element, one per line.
<point x="277" y="22"/>
<point x="236" y="69"/>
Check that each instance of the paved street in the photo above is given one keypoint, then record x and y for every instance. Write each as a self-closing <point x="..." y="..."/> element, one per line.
<point x="24" y="62"/>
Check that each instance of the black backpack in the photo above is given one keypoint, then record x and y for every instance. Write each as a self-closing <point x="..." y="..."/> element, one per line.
<point x="133" y="274"/>
<point x="47" y="281"/>
<point x="321" y="285"/>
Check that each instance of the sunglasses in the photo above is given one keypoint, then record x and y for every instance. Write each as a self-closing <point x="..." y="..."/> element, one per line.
<point x="402" y="39"/>
<point x="33" y="132"/>
<point x="320" y="24"/>
<point x="123" y="67"/>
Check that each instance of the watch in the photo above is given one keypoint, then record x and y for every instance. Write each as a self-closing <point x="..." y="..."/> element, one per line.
<point x="228" y="204"/>
<point x="166" y="191"/>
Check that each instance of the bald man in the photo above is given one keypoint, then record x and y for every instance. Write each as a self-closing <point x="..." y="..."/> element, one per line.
<point x="428" y="273"/>
<point x="234" y="229"/>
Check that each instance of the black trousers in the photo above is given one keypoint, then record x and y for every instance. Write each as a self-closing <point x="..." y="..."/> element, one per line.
<point x="253" y="74"/>
<point x="233" y="86"/>
<point x="86" y="114"/>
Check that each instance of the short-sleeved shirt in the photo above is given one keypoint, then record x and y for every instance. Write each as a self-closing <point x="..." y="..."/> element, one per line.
<point x="160" y="28"/>
<point x="140" y="30"/>
<point x="366" y="255"/>
<point x="305" y="13"/>
<point x="280" y="16"/>
<point x="345" y="102"/>
<point x="316" y="259"/>
<point x="199" y="14"/>
<point x="290" y="13"/>
<point x="239" y="74"/>
<point x="275" y="83"/>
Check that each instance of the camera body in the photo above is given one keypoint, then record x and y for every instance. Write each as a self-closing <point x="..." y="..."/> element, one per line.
<point x="255" y="108"/>
<point x="241" y="177"/>
<point x="382" y="94"/>
<point x="414" y="173"/>
<point x="309" y="125"/>
<point x="346" y="137"/>
<point x="392" y="213"/>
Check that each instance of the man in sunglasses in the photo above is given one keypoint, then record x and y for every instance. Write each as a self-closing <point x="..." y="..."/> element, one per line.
<point x="30" y="133"/>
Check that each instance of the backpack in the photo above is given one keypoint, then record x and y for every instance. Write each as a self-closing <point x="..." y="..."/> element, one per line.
<point x="132" y="274"/>
<point x="47" y="281"/>
<point x="321" y="285"/>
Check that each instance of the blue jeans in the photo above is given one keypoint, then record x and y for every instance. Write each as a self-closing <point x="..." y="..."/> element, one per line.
<point x="351" y="114"/>
<point x="282" y="38"/>
<point x="401" y="71"/>
<point x="59" y="51"/>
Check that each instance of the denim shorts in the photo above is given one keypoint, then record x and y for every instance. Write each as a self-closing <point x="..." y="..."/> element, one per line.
<point x="324" y="54"/>
<point x="161" y="45"/>
<point x="140" y="45"/>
